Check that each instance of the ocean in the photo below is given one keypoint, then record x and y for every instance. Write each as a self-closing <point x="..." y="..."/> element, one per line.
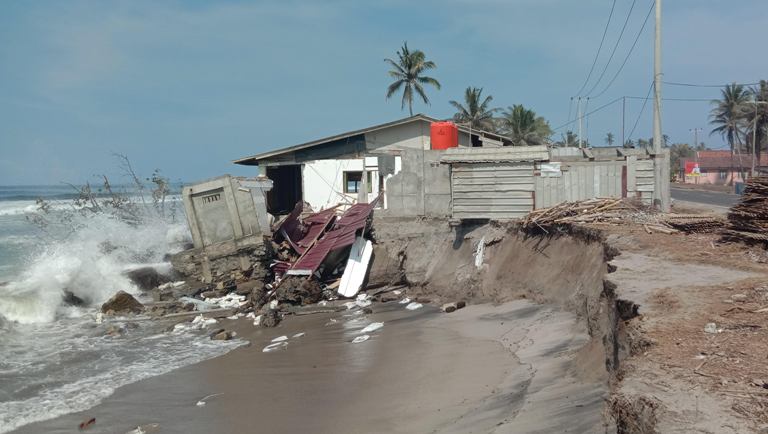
<point x="56" y="358"/>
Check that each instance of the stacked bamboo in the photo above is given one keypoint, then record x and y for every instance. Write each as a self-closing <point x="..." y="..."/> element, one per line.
<point x="587" y="211"/>
<point x="694" y="223"/>
<point x="748" y="219"/>
<point x="620" y="211"/>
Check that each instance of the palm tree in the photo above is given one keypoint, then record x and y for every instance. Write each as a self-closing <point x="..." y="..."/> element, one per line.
<point x="476" y="114"/>
<point x="609" y="139"/>
<point x="523" y="127"/>
<point x="727" y="117"/>
<point x="755" y="116"/>
<point x="407" y="72"/>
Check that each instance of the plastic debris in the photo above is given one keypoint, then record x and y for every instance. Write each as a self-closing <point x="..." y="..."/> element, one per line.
<point x="88" y="423"/>
<point x="406" y="300"/>
<point x="710" y="328"/>
<point x="298" y="335"/>
<point x="257" y="320"/>
<point x="274" y="347"/>
<point x="414" y="306"/>
<point x="372" y="327"/>
<point x="479" y="253"/>
<point x="202" y="402"/>
<point x="350" y="305"/>
<point x="359" y="339"/>
<point x="145" y="429"/>
<point x="280" y="339"/>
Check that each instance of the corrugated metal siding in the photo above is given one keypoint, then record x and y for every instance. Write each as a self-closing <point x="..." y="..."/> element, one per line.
<point x="579" y="181"/>
<point x="493" y="191"/>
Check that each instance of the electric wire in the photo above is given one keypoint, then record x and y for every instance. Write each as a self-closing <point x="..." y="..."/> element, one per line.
<point x="599" y="49"/>
<point x="587" y="114"/>
<point x="615" y="47"/>
<point x="671" y="83"/>
<point x="631" y="50"/>
<point x="642" y="109"/>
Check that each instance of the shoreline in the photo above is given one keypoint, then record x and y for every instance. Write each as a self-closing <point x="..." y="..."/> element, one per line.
<point x="480" y="368"/>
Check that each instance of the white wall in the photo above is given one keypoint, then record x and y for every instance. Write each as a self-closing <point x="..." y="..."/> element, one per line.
<point x="323" y="181"/>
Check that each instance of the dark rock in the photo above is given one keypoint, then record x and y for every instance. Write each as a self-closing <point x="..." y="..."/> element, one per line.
<point x="71" y="299"/>
<point x="299" y="290"/>
<point x="259" y="297"/>
<point x="222" y="335"/>
<point x="461" y="304"/>
<point x="226" y="285"/>
<point x="146" y="278"/>
<point x="245" y="288"/>
<point x="270" y="318"/>
<point x="449" y="307"/>
<point x="215" y="332"/>
<point x="122" y="302"/>
<point x="388" y="297"/>
<point x="612" y="268"/>
<point x="367" y="310"/>
<point x="422" y="300"/>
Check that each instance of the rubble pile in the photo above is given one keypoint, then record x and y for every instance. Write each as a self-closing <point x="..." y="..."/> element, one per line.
<point x="693" y="223"/>
<point x="748" y="220"/>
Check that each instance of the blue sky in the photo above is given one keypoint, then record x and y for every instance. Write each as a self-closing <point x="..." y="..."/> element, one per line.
<point x="187" y="86"/>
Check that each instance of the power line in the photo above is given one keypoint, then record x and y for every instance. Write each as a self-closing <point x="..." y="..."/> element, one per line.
<point x="615" y="47"/>
<point x="587" y="114"/>
<point x="670" y="83"/>
<point x="634" y="44"/>
<point x="599" y="48"/>
<point x="674" y="99"/>
<point x="642" y="109"/>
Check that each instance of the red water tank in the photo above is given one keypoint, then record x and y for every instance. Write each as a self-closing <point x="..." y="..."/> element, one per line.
<point x="444" y="135"/>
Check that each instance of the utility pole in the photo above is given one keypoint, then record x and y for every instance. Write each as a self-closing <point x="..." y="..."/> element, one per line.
<point x="578" y="107"/>
<point x="586" y="115"/>
<point x="660" y="161"/>
<point x="695" y="146"/>
<point x="623" y="118"/>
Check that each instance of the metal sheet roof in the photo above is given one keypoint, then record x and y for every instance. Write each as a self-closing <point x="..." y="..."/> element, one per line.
<point x="495" y="155"/>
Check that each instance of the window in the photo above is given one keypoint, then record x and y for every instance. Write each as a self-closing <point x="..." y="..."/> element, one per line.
<point x="723" y="174"/>
<point x="353" y="181"/>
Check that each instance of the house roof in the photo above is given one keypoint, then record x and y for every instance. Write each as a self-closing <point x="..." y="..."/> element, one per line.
<point x="495" y="155"/>
<point x="254" y="159"/>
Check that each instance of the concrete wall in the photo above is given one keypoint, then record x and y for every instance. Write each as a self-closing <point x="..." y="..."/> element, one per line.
<point x="421" y="188"/>
<point x="413" y="135"/>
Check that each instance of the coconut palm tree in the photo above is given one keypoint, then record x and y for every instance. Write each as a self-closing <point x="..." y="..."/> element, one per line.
<point x="755" y="114"/>
<point x="727" y="116"/>
<point x="407" y="72"/>
<point x="609" y="139"/>
<point x="476" y="113"/>
<point x="523" y="127"/>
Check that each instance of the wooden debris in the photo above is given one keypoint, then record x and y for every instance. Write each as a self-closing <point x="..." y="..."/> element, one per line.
<point x="748" y="219"/>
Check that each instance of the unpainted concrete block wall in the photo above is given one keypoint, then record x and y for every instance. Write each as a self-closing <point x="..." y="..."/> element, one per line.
<point x="422" y="188"/>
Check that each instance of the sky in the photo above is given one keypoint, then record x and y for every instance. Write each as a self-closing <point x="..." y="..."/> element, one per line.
<point x="188" y="86"/>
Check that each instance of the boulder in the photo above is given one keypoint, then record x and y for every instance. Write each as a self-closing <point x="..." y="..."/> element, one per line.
<point x="270" y="318"/>
<point x="146" y="278"/>
<point x="222" y="335"/>
<point x="449" y="307"/>
<point x="121" y="303"/>
<point x="71" y="299"/>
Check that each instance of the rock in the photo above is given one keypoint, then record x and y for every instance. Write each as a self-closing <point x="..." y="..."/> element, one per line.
<point x="461" y="304"/>
<point x="259" y="297"/>
<point x="388" y="297"/>
<point x="226" y="286"/>
<point x="270" y="318"/>
<point x="449" y="307"/>
<point x="114" y="330"/>
<point x="739" y="297"/>
<point x="367" y="310"/>
<point x="71" y="299"/>
<point x="299" y="290"/>
<point x="246" y="288"/>
<point x="710" y="328"/>
<point x="122" y="302"/>
<point x="146" y="278"/>
<point x="222" y="335"/>
<point x="422" y="300"/>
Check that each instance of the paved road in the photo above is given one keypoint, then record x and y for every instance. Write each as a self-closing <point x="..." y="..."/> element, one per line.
<point x="705" y="197"/>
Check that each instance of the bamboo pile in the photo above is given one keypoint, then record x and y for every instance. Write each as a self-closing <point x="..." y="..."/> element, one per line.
<point x="620" y="211"/>
<point x="748" y="219"/>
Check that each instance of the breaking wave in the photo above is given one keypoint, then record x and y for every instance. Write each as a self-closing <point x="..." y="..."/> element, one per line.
<point x="90" y="263"/>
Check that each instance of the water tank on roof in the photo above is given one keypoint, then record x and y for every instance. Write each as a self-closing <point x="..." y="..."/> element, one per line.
<point x="444" y="135"/>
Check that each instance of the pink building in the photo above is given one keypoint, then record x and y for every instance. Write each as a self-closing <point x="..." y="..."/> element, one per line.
<point x="718" y="167"/>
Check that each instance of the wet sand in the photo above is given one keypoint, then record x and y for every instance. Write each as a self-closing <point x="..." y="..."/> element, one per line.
<point x="517" y="367"/>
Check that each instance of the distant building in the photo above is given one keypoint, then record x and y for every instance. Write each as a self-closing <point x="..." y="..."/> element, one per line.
<point x="718" y="167"/>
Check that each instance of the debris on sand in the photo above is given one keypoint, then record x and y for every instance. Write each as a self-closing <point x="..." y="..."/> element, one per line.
<point x="359" y="339"/>
<point x="145" y="429"/>
<point x="414" y="306"/>
<point x="372" y="327"/>
<point x="275" y="347"/>
<point x="86" y="424"/>
<point x="202" y="402"/>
